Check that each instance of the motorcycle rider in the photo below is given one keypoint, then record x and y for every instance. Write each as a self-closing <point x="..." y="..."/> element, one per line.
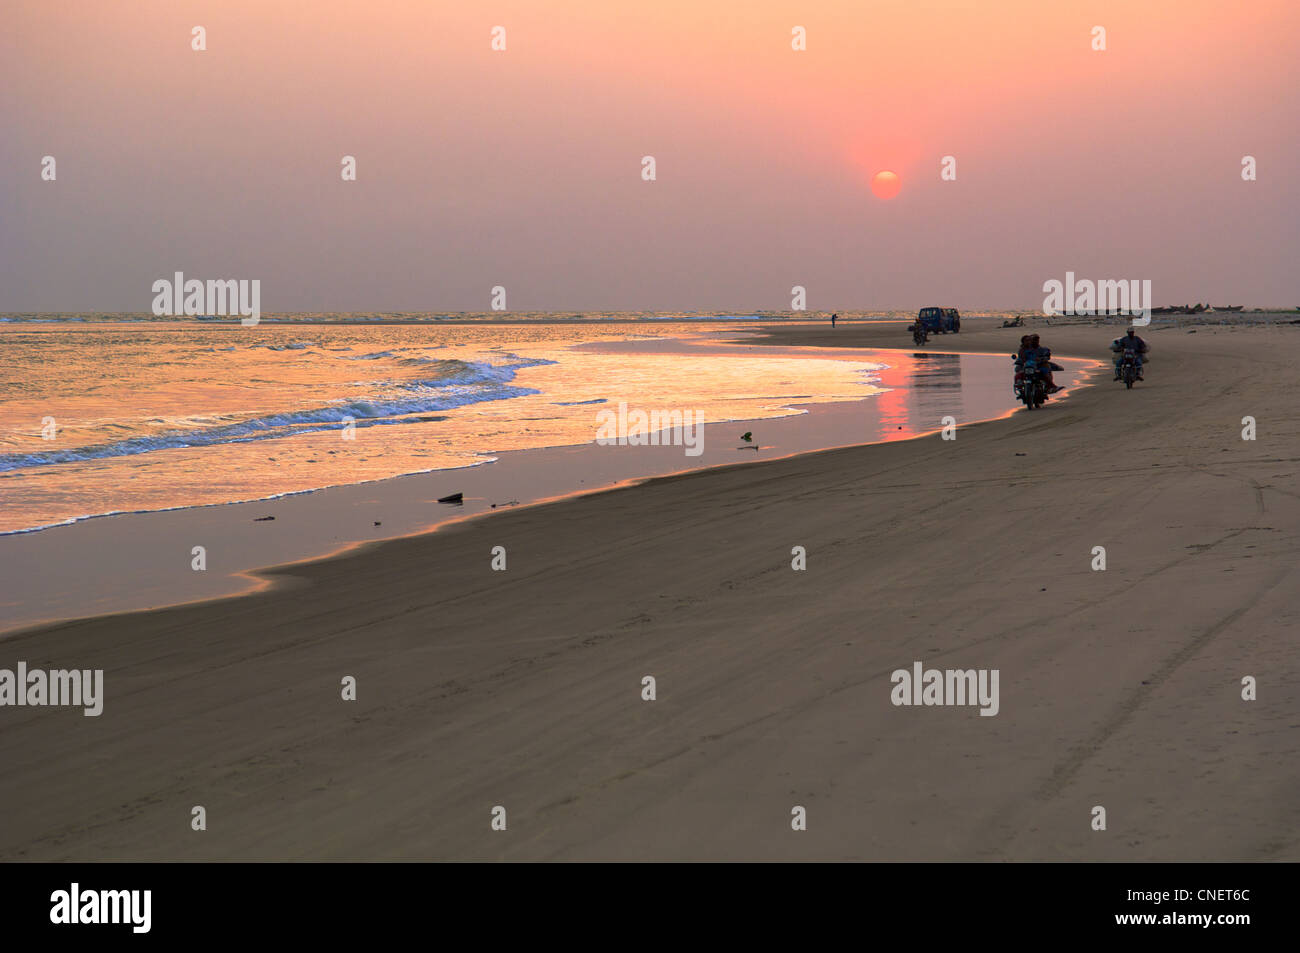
<point x="1129" y="342"/>
<point x="1031" y="348"/>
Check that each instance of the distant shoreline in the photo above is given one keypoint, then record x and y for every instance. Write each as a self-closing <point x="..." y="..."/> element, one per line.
<point x="418" y="318"/>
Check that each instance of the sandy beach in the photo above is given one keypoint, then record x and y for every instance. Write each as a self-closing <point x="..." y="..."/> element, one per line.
<point x="152" y="564"/>
<point x="1119" y="688"/>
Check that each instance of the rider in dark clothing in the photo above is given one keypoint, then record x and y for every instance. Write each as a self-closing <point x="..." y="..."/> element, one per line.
<point x="1129" y="342"/>
<point x="1042" y="356"/>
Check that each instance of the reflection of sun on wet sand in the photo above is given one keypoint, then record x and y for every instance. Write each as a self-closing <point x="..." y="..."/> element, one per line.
<point x="522" y="688"/>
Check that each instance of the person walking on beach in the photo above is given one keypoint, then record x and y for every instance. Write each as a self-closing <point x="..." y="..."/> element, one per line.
<point x="833" y="317"/>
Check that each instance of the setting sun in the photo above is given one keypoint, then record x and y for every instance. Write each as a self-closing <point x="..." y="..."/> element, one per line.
<point x="885" y="185"/>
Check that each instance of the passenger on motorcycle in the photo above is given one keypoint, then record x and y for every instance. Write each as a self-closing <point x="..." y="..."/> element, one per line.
<point x="1020" y="357"/>
<point x="1129" y="342"/>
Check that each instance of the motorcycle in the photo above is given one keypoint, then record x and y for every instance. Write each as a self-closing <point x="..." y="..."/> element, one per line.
<point x="1128" y="368"/>
<point x="919" y="334"/>
<point x="1030" y="385"/>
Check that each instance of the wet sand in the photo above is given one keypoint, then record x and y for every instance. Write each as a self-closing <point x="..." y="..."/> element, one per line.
<point x="523" y="688"/>
<point x="152" y="562"/>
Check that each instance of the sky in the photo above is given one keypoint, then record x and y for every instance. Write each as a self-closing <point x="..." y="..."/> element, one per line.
<point x="523" y="167"/>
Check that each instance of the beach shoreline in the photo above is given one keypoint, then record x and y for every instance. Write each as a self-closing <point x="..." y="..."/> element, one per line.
<point x="1119" y="688"/>
<point x="334" y="520"/>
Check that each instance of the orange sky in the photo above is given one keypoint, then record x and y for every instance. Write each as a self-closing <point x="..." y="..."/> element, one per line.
<point x="522" y="167"/>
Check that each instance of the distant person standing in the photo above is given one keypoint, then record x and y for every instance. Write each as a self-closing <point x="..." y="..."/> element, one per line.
<point x="833" y="317"/>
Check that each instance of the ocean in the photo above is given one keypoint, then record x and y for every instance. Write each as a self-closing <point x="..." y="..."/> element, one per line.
<point x="125" y="414"/>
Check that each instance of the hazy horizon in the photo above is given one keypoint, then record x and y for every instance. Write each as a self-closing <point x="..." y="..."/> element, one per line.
<point x="522" y="168"/>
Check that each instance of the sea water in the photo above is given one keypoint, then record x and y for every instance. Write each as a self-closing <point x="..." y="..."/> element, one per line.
<point x="101" y="416"/>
